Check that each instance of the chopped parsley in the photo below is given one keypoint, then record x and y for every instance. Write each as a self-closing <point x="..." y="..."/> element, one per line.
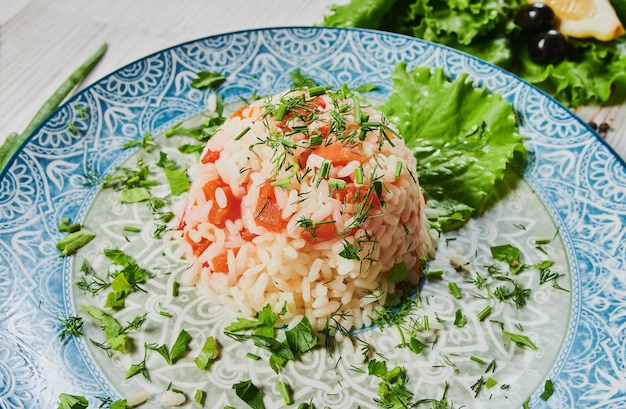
<point x="176" y="177"/>
<point x="179" y="348"/>
<point x="116" y="335"/>
<point x="548" y="390"/>
<point x="207" y="79"/>
<point x="299" y="339"/>
<point x="77" y="237"/>
<point x="209" y="352"/>
<point x="67" y="401"/>
<point x="520" y="340"/>
<point x="250" y="394"/>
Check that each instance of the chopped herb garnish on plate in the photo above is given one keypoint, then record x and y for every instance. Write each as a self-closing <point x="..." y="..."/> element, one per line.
<point x="67" y="401"/>
<point x="250" y="394"/>
<point x="208" y="79"/>
<point x="74" y="240"/>
<point x="209" y="352"/>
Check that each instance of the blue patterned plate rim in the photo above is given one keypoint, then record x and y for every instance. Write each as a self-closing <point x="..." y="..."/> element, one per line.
<point x="599" y="171"/>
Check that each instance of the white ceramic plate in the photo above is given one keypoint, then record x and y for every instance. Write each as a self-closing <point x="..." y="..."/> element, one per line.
<point x="574" y="185"/>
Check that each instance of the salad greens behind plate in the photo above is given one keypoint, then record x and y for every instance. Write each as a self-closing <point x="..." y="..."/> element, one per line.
<point x="485" y="28"/>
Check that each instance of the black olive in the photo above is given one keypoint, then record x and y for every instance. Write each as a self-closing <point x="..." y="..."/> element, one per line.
<point x="535" y="17"/>
<point x="548" y="47"/>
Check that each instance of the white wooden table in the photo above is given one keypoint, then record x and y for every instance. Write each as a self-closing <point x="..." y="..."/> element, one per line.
<point x="43" y="41"/>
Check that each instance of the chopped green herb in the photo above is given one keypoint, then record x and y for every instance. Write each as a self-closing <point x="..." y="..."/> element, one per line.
<point x="241" y="324"/>
<point x="74" y="241"/>
<point x="484" y="313"/>
<point x="250" y="394"/>
<point x="392" y="390"/>
<point x="176" y="177"/>
<point x="133" y="184"/>
<point x="95" y="283"/>
<point x="438" y="273"/>
<point x="548" y="390"/>
<point x="146" y="142"/>
<point x="415" y="345"/>
<point x="179" y="348"/>
<point x="67" y="401"/>
<point x="120" y="287"/>
<point x="199" y="397"/>
<point x="349" y="251"/>
<point x="398" y="170"/>
<point x="336" y="183"/>
<point x="281" y="111"/>
<point x="141" y="368"/>
<point x="301" y="81"/>
<point x="82" y="111"/>
<point x="285" y="393"/>
<point x="315" y="140"/>
<point x="134" y="195"/>
<point x="325" y="168"/>
<point x="72" y="128"/>
<point x="64" y="225"/>
<point x="509" y="254"/>
<point x="70" y="326"/>
<point x="309" y="225"/>
<point x="159" y="229"/>
<point x="116" y="335"/>
<point x="316" y="91"/>
<point x="478" y="360"/>
<point x="477" y="386"/>
<point x="542" y="240"/>
<point x="242" y="133"/>
<point x="366" y="88"/>
<point x="459" y="319"/>
<point x="490" y="383"/>
<point x="398" y="273"/>
<point x="301" y="338"/>
<point x="208" y="79"/>
<point x="454" y="290"/>
<point x="358" y="176"/>
<point x="520" y="340"/>
<point x="208" y="354"/>
<point x="252" y="356"/>
<point x="518" y="293"/>
<point x="132" y="272"/>
<point x="119" y="404"/>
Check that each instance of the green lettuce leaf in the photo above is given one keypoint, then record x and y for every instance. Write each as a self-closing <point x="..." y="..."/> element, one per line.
<point x="461" y="21"/>
<point x="590" y="73"/>
<point x="465" y="140"/>
<point x="364" y="14"/>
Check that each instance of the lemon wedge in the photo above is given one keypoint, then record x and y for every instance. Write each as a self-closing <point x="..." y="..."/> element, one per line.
<point x="586" y="18"/>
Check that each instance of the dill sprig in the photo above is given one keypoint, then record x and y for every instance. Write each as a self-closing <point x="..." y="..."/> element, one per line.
<point x="70" y="326"/>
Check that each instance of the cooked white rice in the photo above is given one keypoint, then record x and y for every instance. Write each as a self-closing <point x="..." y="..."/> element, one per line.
<point x="249" y="224"/>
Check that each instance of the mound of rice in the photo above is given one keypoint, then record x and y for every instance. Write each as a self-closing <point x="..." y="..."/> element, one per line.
<point x="307" y="201"/>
